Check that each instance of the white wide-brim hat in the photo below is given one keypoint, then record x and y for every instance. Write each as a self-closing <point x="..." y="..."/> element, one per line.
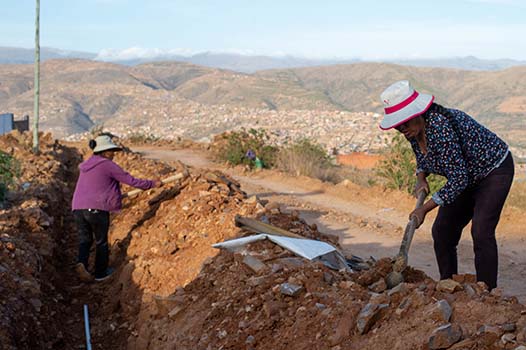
<point x="104" y="143"/>
<point x="402" y="103"/>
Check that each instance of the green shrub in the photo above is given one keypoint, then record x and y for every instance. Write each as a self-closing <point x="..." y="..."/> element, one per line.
<point x="398" y="168"/>
<point x="9" y="170"/>
<point x="232" y="147"/>
<point x="307" y="158"/>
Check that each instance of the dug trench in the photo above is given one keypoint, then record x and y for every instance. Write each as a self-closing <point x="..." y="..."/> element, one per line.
<point x="172" y="290"/>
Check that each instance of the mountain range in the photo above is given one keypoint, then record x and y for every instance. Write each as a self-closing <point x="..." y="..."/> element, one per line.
<point x="248" y="63"/>
<point x="76" y="94"/>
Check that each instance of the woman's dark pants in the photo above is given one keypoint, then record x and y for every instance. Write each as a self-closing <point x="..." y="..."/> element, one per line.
<point x="482" y="205"/>
<point x="91" y="223"/>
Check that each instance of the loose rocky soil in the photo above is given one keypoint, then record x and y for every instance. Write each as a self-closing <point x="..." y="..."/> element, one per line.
<point x="172" y="290"/>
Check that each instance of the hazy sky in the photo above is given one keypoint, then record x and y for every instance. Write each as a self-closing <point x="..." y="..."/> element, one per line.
<point x="371" y="29"/>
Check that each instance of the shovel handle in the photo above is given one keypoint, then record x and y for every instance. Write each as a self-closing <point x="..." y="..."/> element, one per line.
<point x="411" y="227"/>
<point x="173" y="178"/>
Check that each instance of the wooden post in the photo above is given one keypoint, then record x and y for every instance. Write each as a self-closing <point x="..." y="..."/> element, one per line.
<point x="37" y="80"/>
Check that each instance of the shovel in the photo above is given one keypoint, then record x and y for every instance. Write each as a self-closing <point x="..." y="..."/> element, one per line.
<point x="395" y="277"/>
<point x="173" y="178"/>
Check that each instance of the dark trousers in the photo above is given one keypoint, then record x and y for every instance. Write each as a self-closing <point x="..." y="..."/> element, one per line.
<point x="482" y="205"/>
<point x="93" y="223"/>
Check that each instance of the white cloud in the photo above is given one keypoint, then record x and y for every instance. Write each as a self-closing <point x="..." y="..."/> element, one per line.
<point x="140" y="53"/>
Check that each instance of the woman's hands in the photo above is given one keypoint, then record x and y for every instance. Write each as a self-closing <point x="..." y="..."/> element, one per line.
<point x="419" y="214"/>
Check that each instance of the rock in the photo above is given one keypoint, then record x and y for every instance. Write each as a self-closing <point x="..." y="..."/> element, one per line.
<point x="496" y="292"/>
<point x="377" y="298"/>
<point x="402" y="309"/>
<point x="250" y="340"/>
<point x="222" y="334"/>
<point x="167" y="304"/>
<point x="509" y="327"/>
<point x="175" y="311"/>
<point x="488" y="335"/>
<point x="448" y="286"/>
<point x="368" y="316"/>
<point x="251" y="200"/>
<point x="444" y="336"/>
<point x="379" y="286"/>
<point x="401" y="288"/>
<point x="346" y="284"/>
<point x="440" y="311"/>
<point x="508" y="338"/>
<point x="320" y="306"/>
<point x="328" y="278"/>
<point x="520" y="347"/>
<point x="256" y="281"/>
<point x="276" y="268"/>
<point x="469" y="290"/>
<point x="289" y="289"/>
<point x="272" y="205"/>
<point x="254" y="264"/>
<point x="480" y="288"/>
<point x="342" y="330"/>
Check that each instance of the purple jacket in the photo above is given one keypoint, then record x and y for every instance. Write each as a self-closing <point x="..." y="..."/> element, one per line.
<point x="98" y="185"/>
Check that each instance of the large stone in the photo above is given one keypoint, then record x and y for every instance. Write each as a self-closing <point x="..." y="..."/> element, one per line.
<point x="290" y="289"/>
<point x="440" y="311"/>
<point x="379" y="286"/>
<point x="445" y="336"/>
<point x="400" y="288"/>
<point x="448" y="286"/>
<point x="488" y="335"/>
<point x="368" y="316"/>
<point x="254" y="264"/>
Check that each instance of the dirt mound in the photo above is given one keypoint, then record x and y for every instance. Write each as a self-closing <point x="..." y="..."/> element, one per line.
<point x="230" y="306"/>
<point x="31" y="227"/>
<point x="173" y="290"/>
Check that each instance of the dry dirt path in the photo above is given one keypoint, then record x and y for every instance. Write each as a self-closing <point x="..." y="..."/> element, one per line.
<point x="366" y="228"/>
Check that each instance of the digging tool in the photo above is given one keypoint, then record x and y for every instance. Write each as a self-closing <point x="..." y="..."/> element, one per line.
<point x="395" y="277"/>
<point x="173" y="178"/>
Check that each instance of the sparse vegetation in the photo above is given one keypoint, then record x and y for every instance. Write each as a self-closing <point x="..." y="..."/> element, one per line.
<point x="307" y="158"/>
<point x="232" y="147"/>
<point x="399" y="166"/>
<point x="140" y="137"/>
<point x="9" y="171"/>
<point x="96" y="130"/>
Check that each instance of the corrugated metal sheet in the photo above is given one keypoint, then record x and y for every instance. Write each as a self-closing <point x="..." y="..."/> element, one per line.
<point x="6" y="123"/>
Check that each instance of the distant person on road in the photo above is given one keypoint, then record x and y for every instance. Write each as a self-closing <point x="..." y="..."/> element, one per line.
<point x="477" y="164"/>
<point x="96" y="195"/>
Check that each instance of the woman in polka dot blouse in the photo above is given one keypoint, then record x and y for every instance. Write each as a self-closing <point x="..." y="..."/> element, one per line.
<point x="477" y="164"/>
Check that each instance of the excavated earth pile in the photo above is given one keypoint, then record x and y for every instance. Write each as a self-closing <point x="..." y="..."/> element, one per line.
<point x="33" y="229"/>
<point x="172" y="290"/>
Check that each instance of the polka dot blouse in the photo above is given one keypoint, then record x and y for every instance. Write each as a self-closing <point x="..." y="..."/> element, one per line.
<point x="460" y="149"/>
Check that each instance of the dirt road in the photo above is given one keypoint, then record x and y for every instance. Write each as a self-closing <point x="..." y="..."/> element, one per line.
<point x="367" y="224"/>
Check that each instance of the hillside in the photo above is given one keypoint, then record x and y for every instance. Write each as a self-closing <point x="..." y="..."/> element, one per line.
<point x="177" y="97"/>
<point x="497" y="98"/>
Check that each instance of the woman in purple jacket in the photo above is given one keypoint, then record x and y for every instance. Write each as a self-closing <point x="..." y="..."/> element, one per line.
<point x="96" y="195"/>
